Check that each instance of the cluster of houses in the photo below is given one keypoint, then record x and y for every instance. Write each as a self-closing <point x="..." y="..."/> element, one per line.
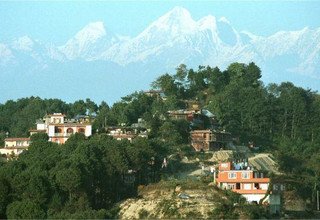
<point x="239" y="176"/>
<point x="205" y="135"/>
<point x="58" y="128"/>
<point x="129" y="133"/>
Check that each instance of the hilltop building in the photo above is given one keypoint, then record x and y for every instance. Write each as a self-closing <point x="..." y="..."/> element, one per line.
<point x="56" y="126"/>
<point x="205" y="140"/>
<point x="159" y="94"/>
<point x="198" y="118"/>
<point x="14" y="146"/>
<point x="59" y="129"/>
<point x="251" y="184"/>
<point x="242" y="179"/>
<point x="123" y="134"/>
<point x="181" y="115"/>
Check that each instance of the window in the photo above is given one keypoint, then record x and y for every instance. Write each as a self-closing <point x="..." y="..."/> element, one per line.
<point x="230" y="186"/>
<point x="245" y="175"/>
<point x="232" y="175"/>
<point x="70" y="131"/>
<point x="237" y="185"/>
<point x="57" y="130"/>
<point x="256" y="186"/>
<point x="224" y="165"/>
<point x="247" y="186"/>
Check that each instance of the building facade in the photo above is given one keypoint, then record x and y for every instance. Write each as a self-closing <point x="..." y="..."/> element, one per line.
<point x="59" y="129"/>
<point x="14" y="146"/>
<point x="205" y="140"/>
<point x="121" y="134"/>
<point x="242" y="179"/>
<point x="181" y="115"/>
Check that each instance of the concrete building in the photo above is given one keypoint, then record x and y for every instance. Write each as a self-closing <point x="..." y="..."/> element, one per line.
<point x="159" y="94"/>
<point x="181" y="114"/>
<point x="242" y="179"/>
<point x="122" y="134"/>
<point x="59" y="129"/>
<point x="14" y="146"/>
<point x="209" y="139"/>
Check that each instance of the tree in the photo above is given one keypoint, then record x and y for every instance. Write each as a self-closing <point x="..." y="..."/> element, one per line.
<point x="169" y="134"/>
<point x="39" y="138"/>
<point x="69" y="179"/>
<point x="4" y="197"/>
<point x="166" y="84"/>
<point x="25" y="209"/>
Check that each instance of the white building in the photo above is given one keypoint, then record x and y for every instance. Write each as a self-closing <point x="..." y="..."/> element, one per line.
<point x="59" y="129"/>
<point x="14" y="146"/>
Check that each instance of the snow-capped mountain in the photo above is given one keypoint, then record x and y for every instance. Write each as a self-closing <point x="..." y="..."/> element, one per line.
<point x="178" y="36"/>
<point x="170" y="40"/>
<point x="89" y="42"/>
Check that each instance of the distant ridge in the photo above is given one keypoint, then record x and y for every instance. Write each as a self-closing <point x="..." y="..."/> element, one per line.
<point x="172" y="39"/>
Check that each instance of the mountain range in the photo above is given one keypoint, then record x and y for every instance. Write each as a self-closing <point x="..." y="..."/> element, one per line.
<point x="102" y="65"/>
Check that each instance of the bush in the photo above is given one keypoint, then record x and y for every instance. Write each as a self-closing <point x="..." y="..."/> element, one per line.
<point x="194" y="215"/>
<point x="143" y="214"/>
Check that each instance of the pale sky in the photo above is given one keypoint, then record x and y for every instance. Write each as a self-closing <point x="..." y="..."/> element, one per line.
<point x="57" y="21"/>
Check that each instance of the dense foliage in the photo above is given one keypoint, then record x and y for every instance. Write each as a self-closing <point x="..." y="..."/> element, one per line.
<point x="17" y="117"/>
<point x="82" y="179"/>
<point x="85" y="178"/>
<point x="283" y="119"/>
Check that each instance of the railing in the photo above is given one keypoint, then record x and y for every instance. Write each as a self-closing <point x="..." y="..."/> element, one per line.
<point x="62" y="134"/>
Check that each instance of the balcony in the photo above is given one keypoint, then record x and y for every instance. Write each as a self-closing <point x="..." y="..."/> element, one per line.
<point x="62" y="134"/>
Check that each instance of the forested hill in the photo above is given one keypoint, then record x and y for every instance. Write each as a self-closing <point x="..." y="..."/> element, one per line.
<point x="282" y="119"/>
<point x="243" y="105"/>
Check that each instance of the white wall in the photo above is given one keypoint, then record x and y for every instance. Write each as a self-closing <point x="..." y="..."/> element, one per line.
<point x="247" y="186"/>
<point x="264" y="186"/>
<point x="41" y="126"/>
<point x="17" y="143"/>
<point x="9" y="151"/>
<point x="51" y="130"/>
<point x="254" y="197"/>
<point x="88" y="131"/>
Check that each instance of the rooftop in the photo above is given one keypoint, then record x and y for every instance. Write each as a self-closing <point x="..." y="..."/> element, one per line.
<point x="17" y="139"/>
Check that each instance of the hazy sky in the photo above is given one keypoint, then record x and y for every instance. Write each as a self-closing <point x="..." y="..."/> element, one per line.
<point x="56" y="22"/>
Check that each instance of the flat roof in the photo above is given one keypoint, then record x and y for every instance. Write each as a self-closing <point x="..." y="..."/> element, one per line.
<point x="56" y="114"/>
<point x="17" y="139"/>
<point x="41" y="130"/>
<point x="71" y="124"/>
